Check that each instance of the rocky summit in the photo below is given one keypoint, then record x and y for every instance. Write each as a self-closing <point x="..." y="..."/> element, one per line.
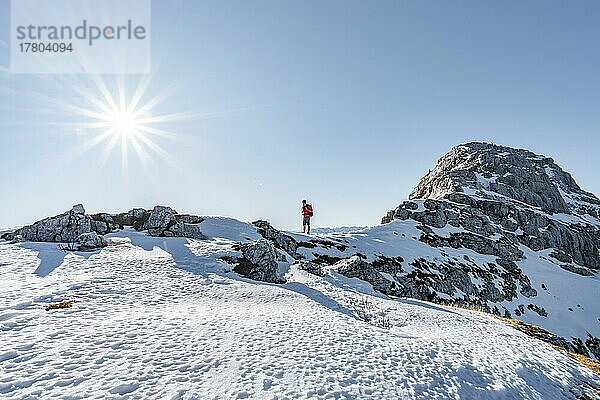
<point x="504" y="198"/>
<point x="505" y="203"/>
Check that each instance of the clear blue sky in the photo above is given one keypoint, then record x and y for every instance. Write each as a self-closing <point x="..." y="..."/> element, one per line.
<point x="346" y="103"/>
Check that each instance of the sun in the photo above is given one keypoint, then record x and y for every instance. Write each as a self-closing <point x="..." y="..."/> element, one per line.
<point x="118" y="114"/>
<point x="122" y="120"/>
<point x="124" y="123"/>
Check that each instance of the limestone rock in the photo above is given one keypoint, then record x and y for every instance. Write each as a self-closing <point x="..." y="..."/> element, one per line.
<point x="181" y="229"/>
<point x="78" y="209"/>
<point x="164" y="221"/>
<point x="311" y="267"/>
<point x="135" y="218"/>
<point x="281" y="240"/>
<point x="161" y="218"/>
<point x="505" y="198"/>
<point x="91" y="241"/>
<point x="356" y="267"/>
<point x="259" y="261"/>
<point x="66" y="227"/>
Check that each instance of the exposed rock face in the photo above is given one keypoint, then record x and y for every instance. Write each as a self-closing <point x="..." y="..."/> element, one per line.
<point x="164" y="221"/>
<point x="135" y="218"/>
<point x="281" y="240"/>
<point x="78" y="209"/>
<point x="66" y="227"/>
<point x="514" y="175"/>
<point x="161" y="219"/>
<point x="69" y="226"/>
<point x="181" y="229"/>
<point x="356" y="267"/>
<point x="311" y="267"/>
<point x="104" y="223"/>
<point x="91" y="241"/>
<point x="503" y="198"/>
<point x="259" y="261"/>
<point x="16" y="239"/>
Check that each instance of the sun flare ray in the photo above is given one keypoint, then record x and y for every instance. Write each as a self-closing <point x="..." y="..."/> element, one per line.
<point x="120" y="119"/>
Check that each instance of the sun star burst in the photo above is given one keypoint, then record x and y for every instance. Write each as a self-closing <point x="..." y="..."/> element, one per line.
<point x="116" y="120"/>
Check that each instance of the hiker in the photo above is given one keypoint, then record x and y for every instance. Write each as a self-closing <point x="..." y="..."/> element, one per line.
<point x="307" y="212"/>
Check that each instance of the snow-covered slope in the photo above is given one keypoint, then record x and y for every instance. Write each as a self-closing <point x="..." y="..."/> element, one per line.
<point x="164" y="318"/>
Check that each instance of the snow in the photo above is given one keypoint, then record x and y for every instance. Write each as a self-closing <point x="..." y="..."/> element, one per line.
<point x="420" y="205"/>
<point x="341" y="229"/>
<point x="447" y="230"/>
<point x="485" y="182"/>
<point x="571" y="219"/>
<point x="164" y="318"/>
<point x="229" y="228"/>
<point x="565" y="289"/>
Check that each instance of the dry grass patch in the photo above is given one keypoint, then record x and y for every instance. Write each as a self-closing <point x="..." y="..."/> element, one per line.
<point x="539" y="333"/>
<point x="471" y="307"/>
<point x="588" y="362"/>
<point x="58" y="306"/>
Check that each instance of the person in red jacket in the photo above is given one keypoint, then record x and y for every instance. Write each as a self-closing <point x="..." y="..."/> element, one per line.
<point x="307" y="212"/>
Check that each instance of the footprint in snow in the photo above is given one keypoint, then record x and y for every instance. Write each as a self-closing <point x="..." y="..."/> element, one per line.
<point x="125" y="388"/>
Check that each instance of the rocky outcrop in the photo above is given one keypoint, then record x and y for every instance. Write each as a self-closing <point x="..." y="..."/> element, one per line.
<point x="160" y="220"/>
<point x="259" y="261"/>
<point x="280" y="240"/>
<point x="69" y="226"/>
<point x="164" y="221"/>
<point x="66" y="227"/>
<point x="430" y="281"/>
<point x="104" y="222"/>
<point x="516" y="175"/>
<point x="91" y="241"/>
<point x="356" y="267"/>
<point x="311" y="267"/>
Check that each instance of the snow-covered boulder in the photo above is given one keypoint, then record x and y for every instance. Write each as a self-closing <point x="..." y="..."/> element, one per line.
<point x="91" y="241"/>
<point x="259" y="261"/>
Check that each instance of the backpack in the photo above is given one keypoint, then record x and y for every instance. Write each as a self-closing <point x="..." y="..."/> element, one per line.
<point x="310" y="210"/>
